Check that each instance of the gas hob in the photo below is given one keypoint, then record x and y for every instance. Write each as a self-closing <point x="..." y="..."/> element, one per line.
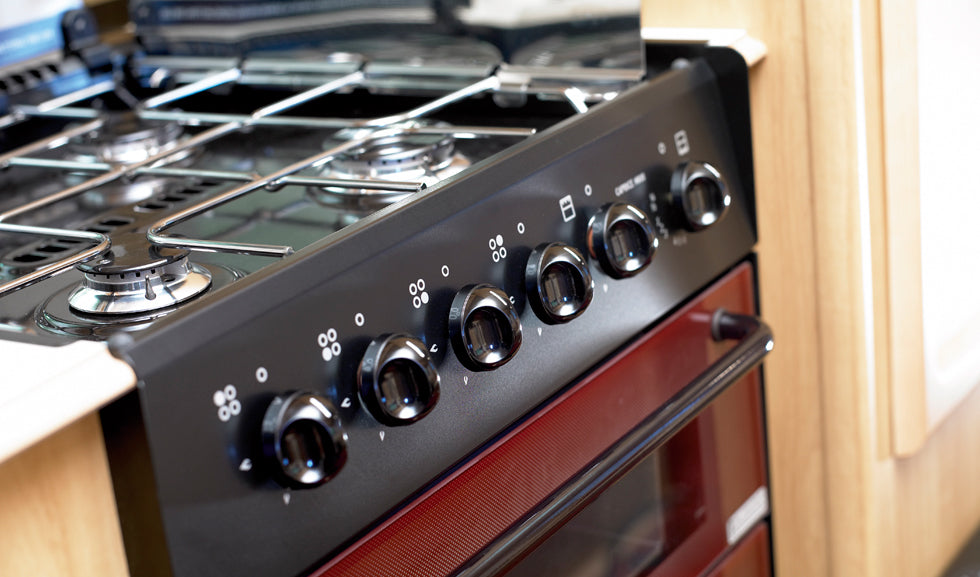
<point x="333" y="275"/>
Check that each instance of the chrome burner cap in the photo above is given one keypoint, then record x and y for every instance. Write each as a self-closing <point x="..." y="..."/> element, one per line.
<point x="409" y="157"/>
<point x="125" y="138"/>
<point x="136" y="277"/>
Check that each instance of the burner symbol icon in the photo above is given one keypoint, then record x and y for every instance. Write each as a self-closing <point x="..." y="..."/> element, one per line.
<point x="328" y="342"/>
<point x="497" y="250"/>
<point x="419" y="295"/>
<point x="227" y="403"/>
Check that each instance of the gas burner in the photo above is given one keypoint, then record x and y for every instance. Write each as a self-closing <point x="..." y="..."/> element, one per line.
<point x="409" y="157"/>
<point x="125" y="138"/>
<point x="55" y="315"/>
<point x="136" y="277"/>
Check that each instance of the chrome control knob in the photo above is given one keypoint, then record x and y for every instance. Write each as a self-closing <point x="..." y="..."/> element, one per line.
<point x="484" y="327"/>
<point x="303" y="437"/>
<point x="622" y="238"/>
<point x="699" y="195"/>
<point x="559" y="282"/>
<point x="397" y="379"/>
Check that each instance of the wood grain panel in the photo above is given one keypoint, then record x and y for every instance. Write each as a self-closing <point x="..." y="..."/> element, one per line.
<point x="57" y="511"/>
<point x="901" y="165"/>
<point x="936" y="499"/>
<point x="785" y="200"/>
<point x="850" y="67"/>
<point x="838" y="150"/>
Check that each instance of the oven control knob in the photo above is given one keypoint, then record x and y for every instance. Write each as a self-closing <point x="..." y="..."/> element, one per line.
<point x="484" y="327"/>
<point x="302" y="435"/>
<point x="559" y="283"/>
<point x="699" y="195"/>
<point x="621" y="237"/>
<point x="397" y="379"/>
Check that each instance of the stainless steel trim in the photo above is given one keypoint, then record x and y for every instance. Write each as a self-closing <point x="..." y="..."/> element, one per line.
<point x="120" y="171"/>
<point x="162" y="157"/>
<point x="79" y="95"/>
<point x="28" y="111"/>
<point x="204" y="118"/>
<point x="395" y="187"/>
<point x="208" y="83"/>
<point x="96" y="89"/>
<point x="489" y="83"/>
<point x="756" y="341"/>
<point x="102" y="246"/>
<point x="308" y="95"/>
<point x="155" y="233"/>
<point x="53" y="141"/>
<point x="576" y="98"/>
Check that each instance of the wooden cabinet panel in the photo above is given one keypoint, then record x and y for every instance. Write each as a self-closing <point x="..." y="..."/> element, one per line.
<point x="841" y="277"/>
<point x="57" y="511"/>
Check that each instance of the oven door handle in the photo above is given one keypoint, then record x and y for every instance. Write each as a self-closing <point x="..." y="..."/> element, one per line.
<point x="755" y="342"/>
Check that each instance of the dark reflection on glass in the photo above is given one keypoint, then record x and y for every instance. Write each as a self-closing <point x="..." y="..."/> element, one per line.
<point x="632" y="526"/>
<point x="535" y="33"/>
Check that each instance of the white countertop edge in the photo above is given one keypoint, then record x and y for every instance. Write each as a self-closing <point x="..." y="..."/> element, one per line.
<point x="46" y="388"/>
<point x="752" y="49"/>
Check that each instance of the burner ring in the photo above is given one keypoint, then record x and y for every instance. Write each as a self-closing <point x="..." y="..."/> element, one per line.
<point x="125" y="138"/>
<point x="139" y="291"/>
<point x="410" y="157"/>
<point x="386" y="157"/>
<point x="55" y="315"/>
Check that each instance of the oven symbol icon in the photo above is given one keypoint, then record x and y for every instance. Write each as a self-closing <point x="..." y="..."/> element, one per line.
<point x="567" y="207"/>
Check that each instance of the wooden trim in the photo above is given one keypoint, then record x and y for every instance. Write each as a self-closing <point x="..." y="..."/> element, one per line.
<point x="57" y="510"/>
<point x="781" y="94"/>
<point x="880" y="353"/>
<point x="43" y="392"/>
<point x="900" y="104"/>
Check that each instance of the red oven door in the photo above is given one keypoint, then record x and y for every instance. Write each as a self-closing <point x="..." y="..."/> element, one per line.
<point x="653" y="464"/>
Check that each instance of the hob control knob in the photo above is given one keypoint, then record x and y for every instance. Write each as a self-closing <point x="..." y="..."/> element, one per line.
<point x="302" y="435"/>
<point x="559" y="283"/>
<point x="484" y="327"/>
<point x="397" y="379"/>
<point x="621" y="237"/>
<point x="699" y="194"/>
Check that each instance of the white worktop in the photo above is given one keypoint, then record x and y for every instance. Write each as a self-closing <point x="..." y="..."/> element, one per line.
<point x="44" y="388"/>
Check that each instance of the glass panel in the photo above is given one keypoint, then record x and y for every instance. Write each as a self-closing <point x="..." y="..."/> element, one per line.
<point x="632" y="526"/>
<point x="525" y="33"/>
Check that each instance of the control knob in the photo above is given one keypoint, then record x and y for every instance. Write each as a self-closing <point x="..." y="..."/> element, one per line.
<point x="621" y="237"/>
<point x="559" y="283"/>
<point x="397" y="379"/>
<point x="484" y="327"/>
<point x="303" y="437"/>
<point x="699" y="196"/>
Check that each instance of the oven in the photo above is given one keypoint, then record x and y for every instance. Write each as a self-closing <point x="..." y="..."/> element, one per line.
<point x="471" y="297"/>
<point x="651" y="464"/>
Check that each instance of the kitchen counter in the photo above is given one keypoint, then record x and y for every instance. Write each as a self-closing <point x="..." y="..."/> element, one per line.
<point x="46" y="388"/>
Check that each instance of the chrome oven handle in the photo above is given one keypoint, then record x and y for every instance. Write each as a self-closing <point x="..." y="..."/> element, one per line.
<point x="755" y="342"/>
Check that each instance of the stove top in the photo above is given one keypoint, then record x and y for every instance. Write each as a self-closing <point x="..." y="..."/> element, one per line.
<point x="145" y="203"/>
<point x="335" y="275"/>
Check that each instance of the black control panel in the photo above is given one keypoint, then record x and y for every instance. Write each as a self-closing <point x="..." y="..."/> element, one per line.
<point x="313" y="398"/>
